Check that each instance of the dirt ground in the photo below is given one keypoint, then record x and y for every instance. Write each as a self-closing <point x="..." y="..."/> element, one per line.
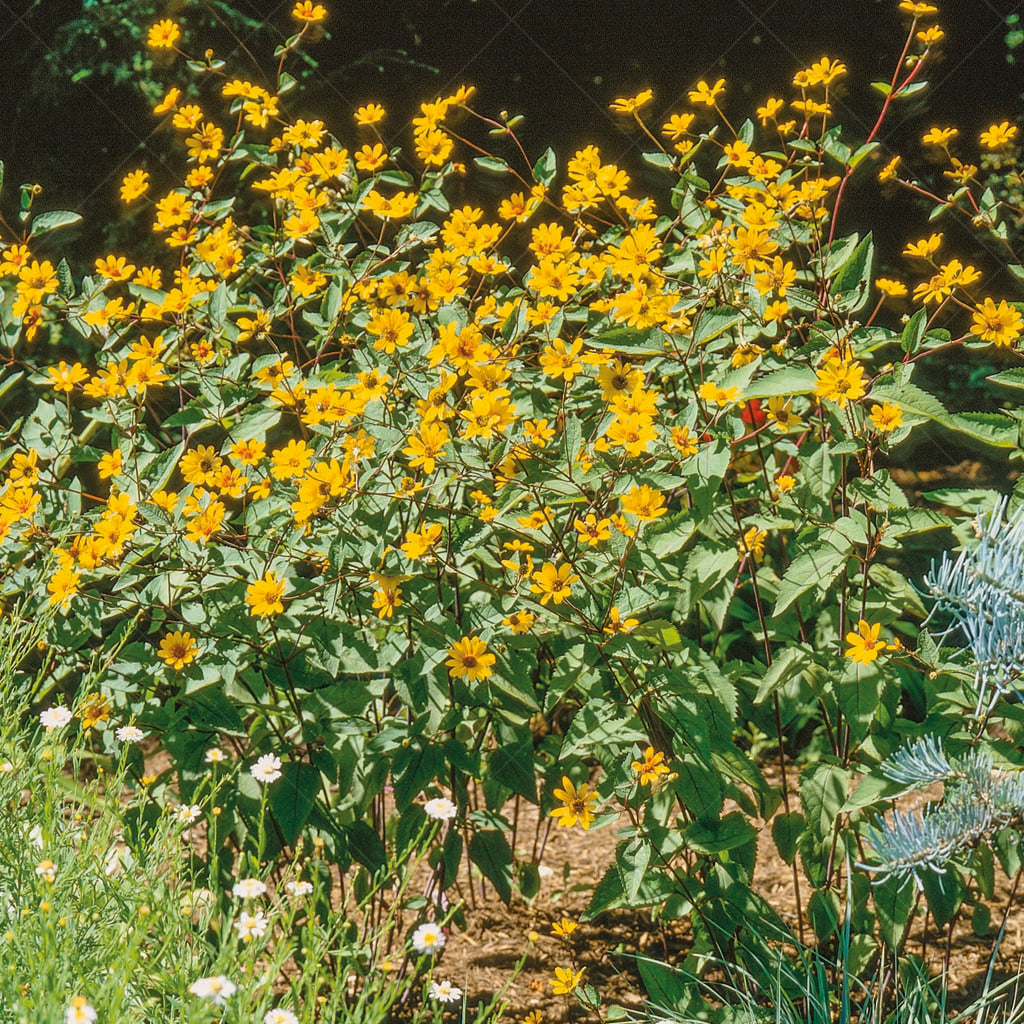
<point x="480" y="958"/>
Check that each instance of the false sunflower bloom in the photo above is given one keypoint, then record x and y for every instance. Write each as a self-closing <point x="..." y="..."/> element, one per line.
<point x="577" y="805"/>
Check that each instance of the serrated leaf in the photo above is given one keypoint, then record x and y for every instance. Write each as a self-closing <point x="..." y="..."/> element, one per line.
<point x="790" y="661"/>
<point x="492" y="164"/>
<point x="52" y="220"/>
<point x="790" y="380"/>
<point x="818" y="566"/>
<point x="786" y="829"/>
<point x="489" y="851"/>
<point x="292" y="798"/>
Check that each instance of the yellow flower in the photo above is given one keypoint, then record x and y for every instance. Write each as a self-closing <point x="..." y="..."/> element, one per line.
<point x="519" y="622"/>
<point x="864" y="644"/>
<point x="469" y="658"/>
<point x="841" y="382"/>
<point x="553" y="583"/>
<point x="631" y="104"/>
<point x="564" y="928"/>
<point x="643" y="502"/>
<point x="163" y="35"/>
<point x="893" y="289"/>
<point x="752" y="543"/>
<point x="565" y="981"/>
<point x="886" y="417"/>
<point x="111" y="465"/>
<point x="63" y="585"/>
<point x="577" y="805"/>
<point x="1002" y="324"/>
<point x="134" y="185"/>
<point x="309" y="12"/>
<point x="617" y="624"/>
<point x="93" y="710"/>
<point x="369" y="115"/>
<point x="707" y="95"/>
<point x="925" y="247"/>
<point x="999" y="135"/>
<point x="939" y="136"/>
<point x="918" y="10"/>
<point x="593" y="530"/>
<point x="889" y="172"/>
<point x="177" y="649"/>
<point x="651" y="766"/>
<point x="264" y="596"/>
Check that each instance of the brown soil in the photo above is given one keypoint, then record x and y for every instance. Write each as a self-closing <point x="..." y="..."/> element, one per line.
<point x="481" y="958"/>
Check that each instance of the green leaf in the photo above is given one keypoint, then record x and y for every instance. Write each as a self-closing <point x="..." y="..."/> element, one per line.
<point x="545" y="168"/>
<point x="823" y="789"/>
<point x="632" y="860"/>
<point x="988" y="428"/>
<point x="914" y="330"/>
<point x="789" y="662"/>
<point x="292" y="798"/>
<point x="894" y="899"/>
<point x="492" y="164"/>
<point x="52" y="220"/>
<point x="786" y="829"/>
<point x="628" y="339"/>
<point x="850" y="286"/>
<point x="727" y="833"/>
<point x="1008" y="378"/>
<point x="366" y="846"/>
<point x="790" y="380"/>
<point x="512" y="766"/>
<point x="944" y="894"/>
<point x="490" y="852"/>
<point x="818" y="566"/>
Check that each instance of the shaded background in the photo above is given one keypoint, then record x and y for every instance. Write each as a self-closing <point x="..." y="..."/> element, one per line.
<point x="78" y="83"/>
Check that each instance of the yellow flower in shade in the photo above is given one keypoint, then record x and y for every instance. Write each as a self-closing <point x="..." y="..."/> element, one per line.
<point x="163" y="35"/>
<point x="841" y="382"/>
<point x="652" y="765"/>
<point x="564" y="928"/>
<point x="565" y="981"/>
<point x="889" y="171"/>
<point x="419" y="545"/>
<point x="111" y="465"/>
<point x="63" y="586"/>
<point x="177" y="649"/>
<point x="93" y="710"/>
<point x="617" y="624"/>
<point x="711" y="392"/>
<point x="890" y="288"/>
<point x="752" y="543"/>
<point x="886" y="417"/>
<point x="369" y="115"/>
<point x="309" y="12"/>
<point x="918" y="10"/>
<point x="999" y="135"/>
<point x="577" y="805"/>
<point x="64" y="377"/>
<point x="631" y="104"/>
<point x="1002" y="324"/>
<point x="263" y="596"/>
<point x="864" y="644"/>
<point x="939" y="136"/>
<point x="643" y="502"/>
<point x="519" y="622"/>
<point x="134" y="185"/>
<point x="469" y="658"/>
<point x="553" y="583"/>
<point x="707" y="95"/>
<point x="925" y="247"/>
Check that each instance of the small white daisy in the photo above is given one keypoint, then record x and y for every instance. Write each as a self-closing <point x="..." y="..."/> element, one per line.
<point x="267" y="769"/>
<point x="217" y="989"/>
<point x="215" y="756"/>
<point x="187" y="813"/>
<point x="279" y="1016"/>
<point x="130" y="734"/>
<point x="248" y="888"/>
<point x="445" y="992"/>
<point x="251" y="926"/>
<point x="46" y="870"/>
<point x="440" y="809"/>
<point x="428" y="938"/>
<point x="56" y="717"/>
<point x="297" y="889"/>
<point x="79" y="1012"/>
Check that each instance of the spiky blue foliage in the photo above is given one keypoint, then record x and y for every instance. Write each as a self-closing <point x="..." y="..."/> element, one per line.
<point x="978" y="800"/>
<point x="983" y="590"/>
